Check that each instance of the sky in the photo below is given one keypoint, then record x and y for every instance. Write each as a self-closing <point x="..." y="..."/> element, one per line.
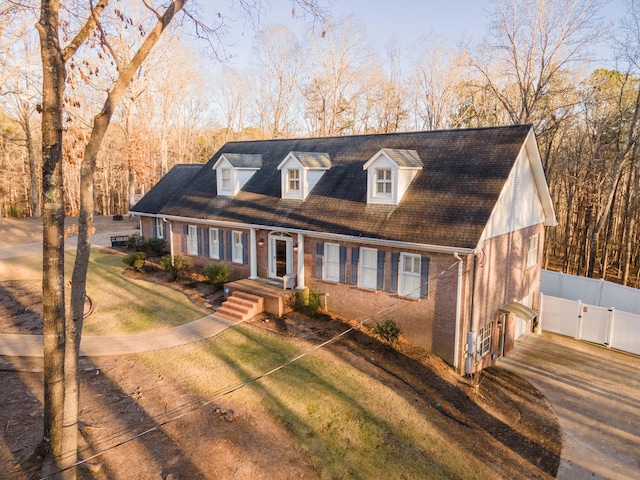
<point x="405" y="20"/>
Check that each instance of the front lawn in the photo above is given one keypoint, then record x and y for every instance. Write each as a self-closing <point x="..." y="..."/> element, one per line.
<point x="121" y="304"/>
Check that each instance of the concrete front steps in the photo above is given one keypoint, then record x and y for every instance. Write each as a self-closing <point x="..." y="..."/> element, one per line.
<point x="241" y="306"/>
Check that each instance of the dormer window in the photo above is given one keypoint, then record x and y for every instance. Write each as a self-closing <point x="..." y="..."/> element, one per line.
<point x="294" y="179"/>
<point x="301" y="171"/>
<point x="389" y="174"/>
<point x="233" y="171"/>
<point x="383" y="182"/>
<point x="225" y="176"/>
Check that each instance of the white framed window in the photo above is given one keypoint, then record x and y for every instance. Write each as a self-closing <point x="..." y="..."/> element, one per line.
<point x="214" y="243"/>
<point x="332" y="262"/>
<point x="193" y="240"/>
<point x="293" y="179"/>
<point x="410" y="275"/>
<point x="368" y="267"/>
<point x="383" y="182"/>
<point x="237" y="247"/>
<point x="484" y="340"/>
<point x="159" y="228"/>
<point x="532" y="255"/>
<point x="225" y="173"/>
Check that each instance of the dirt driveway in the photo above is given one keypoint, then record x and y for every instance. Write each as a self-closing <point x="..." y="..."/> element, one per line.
<point x="595" y="393"/>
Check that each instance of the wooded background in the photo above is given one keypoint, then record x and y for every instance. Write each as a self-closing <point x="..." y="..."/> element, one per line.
<point x="536" y="64"/>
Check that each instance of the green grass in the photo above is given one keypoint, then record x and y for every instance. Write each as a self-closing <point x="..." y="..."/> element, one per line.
<point x="121" y="304"/>
<point x="347" y="424"/>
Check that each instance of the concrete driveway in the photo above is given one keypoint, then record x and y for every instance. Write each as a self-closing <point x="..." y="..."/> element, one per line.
<point x="595" y="393"/>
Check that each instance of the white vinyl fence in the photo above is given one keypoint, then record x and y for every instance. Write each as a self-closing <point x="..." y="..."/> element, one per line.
<point x="586" y="321"/>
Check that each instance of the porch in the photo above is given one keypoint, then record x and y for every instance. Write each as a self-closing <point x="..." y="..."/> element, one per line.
<point x="275" y="299"/>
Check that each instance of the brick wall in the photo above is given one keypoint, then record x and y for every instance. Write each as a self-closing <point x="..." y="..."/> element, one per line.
<point x="502" y="275"/>
<point x="427" y="322"/>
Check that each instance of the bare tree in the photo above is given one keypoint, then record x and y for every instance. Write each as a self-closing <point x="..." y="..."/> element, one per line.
<point x="530" y="44"/>
<point x="62" y="337"/>
<point x="335" y="83"/>
<point x="437" y="72"/>
<point x="279" y="59"/>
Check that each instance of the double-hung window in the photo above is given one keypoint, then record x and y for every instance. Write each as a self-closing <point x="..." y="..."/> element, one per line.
<point x="293" y="179"/>
<point x="410" y="275"/>
<point x="226" y="178"/>
<point x="368" y="267"/>
<point x="214" y="243"/>
<point x="332" y="262"/>
<point x="532" y="255"/>
<point x="159" y="228"/>
<point x="383" y="182"/>
<point x="484" y="340"/>
<point x="193" y="240"/>
<point x="238" y="249"/>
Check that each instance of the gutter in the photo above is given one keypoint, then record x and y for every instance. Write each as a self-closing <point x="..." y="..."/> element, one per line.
<point x="312" y="233"/>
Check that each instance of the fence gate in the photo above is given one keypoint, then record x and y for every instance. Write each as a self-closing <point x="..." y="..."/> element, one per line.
<point x="560" y="316"/>
<point x="606" y="326"/>
<point x="595" y="324"/>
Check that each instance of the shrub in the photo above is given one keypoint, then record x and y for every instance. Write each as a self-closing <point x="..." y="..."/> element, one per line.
<point x="218" y="274"/>
<point x="155" y="246"/>
<point x="15" y="211"/>
<point x="173" y="268"/>
<point x="307" y="300"/>
<point x="135" y="241"/>
<point x="135" y="261"/>
<point x="388" y="330"/>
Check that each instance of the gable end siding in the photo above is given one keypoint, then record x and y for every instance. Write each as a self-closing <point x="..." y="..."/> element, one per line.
<point x="518" y="205"/>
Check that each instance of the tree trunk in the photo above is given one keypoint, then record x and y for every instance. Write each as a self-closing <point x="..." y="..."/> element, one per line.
<point x="53" y="302"/>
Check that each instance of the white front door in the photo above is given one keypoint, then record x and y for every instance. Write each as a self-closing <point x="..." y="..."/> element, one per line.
<point x="280" y="255"/>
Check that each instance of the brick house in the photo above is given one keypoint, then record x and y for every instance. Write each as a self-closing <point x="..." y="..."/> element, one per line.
<point x="441" y="231"/>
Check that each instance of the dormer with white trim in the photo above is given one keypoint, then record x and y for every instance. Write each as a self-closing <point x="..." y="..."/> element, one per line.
<point x="233" y="171"/>
<point x="389" y="174"/>
<point x="300" y="172"/>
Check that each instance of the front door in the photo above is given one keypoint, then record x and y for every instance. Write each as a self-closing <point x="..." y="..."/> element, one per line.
<point x="280" y="255"/>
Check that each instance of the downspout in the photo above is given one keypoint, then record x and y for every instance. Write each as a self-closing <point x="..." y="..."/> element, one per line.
<point x="471" y="336"/>
<point x="456" y="345"/>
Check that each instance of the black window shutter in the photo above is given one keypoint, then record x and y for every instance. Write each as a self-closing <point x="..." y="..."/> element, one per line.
<point x="221" y="244"/>
<point x="229" y="245"/>
<point x="245" y="250"/>
<point x="343" y="264"/>
<point x="424" y="277"/>
<point x="395" y="265"/>
<point x="185" y="236"/>
<point x="199" y="240"/>
<point x="164" y="230"/>
<point x="206" y="242"/>
<point x="380" y="282"/>
<point x="355" y="252"/>
<point x="155" y="227"/>
<point x="319" y="258"/>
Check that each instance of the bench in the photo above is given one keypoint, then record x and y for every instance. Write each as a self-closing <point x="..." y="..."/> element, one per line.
<point x="119" y="241"/>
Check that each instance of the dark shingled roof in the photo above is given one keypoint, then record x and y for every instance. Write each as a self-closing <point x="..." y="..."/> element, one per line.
<point x="447" y="204"/>
<point x="166" y="188"/>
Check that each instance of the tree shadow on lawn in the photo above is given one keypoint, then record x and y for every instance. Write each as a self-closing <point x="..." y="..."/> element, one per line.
<point x="532" y="432"/>
<point x="111" y="418"/>
<point x="347" y="434"/>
